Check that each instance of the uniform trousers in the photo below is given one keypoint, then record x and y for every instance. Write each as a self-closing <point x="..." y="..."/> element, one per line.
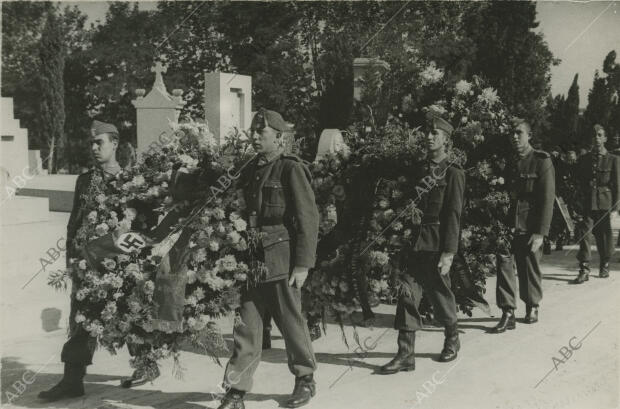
<point x="424" y="275"/>
<point x="528" y="271"/>
<point x="283" y="302"/>
<point x="598" y="224"/>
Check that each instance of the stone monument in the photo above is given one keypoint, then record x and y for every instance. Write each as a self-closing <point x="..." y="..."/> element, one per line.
<point x="228" y="103"/>
<point x="156" y="111"/>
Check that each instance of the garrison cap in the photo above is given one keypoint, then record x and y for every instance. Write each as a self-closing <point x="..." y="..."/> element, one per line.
<point x="265" y="117"/>
<point x="98" y="128"/>
<point x="437" y="122"/>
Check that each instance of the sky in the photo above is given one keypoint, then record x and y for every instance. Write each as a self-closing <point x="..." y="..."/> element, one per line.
<point x="580" y="33"/>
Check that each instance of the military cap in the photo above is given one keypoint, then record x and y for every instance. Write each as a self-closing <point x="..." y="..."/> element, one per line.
<point x="437" y="122"/>
<point x="98" y="128"/>
<point x="265" y="117"/>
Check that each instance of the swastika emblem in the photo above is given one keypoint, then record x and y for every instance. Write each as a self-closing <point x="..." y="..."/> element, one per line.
<point x="129" y="242"/>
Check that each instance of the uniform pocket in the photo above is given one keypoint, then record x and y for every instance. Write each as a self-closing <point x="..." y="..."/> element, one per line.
<point x="273" y="193"/>
<point x="603" y="176"/>
<point x="277" y="250"/>
<point x="527" y="181"/>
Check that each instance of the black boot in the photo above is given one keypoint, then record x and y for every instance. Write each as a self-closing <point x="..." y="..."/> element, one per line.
<point x="603" y="272"/>
<point x="70" y="386"/>
<point x="531" y="314"/>
<point x="305" y="389"/>
<point x="451" y="344"/>
<point x="233" y="400"/>
<point x="315" y="330"/>
<point x="140" y="377"/>
<point x="584" y="274"/>
<point x="267" y="337"/>
<point x="506" y="322"/>
<point x="405" y="357"/>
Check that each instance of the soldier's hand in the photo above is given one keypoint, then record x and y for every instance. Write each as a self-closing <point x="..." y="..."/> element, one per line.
<point x="535" y="242"/>
<point x="298" y="277"/>
<point x="445" y="262"/>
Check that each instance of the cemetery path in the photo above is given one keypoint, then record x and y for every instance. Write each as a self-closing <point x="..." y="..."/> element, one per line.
<point x="574" y="348"/>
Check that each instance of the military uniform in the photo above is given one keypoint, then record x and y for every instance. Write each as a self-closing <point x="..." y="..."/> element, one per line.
<point x="438" y="233"/>
<point x="599" y="181"/>
<point x="531" y="210"/>
<point x="280" y="203"/>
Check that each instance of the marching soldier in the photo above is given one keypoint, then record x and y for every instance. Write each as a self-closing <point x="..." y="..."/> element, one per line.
<point x="616" y="151"/>
<point x="77" y="352"/>
<point x="599" y="181"/>
<point x="433" y="251"/>
<point x="280" y="203"/>
<point x="531" y="212"/>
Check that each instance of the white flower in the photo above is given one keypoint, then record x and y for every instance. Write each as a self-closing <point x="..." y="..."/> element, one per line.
<point x="102" y="229"/>
<point x="188" y="161"/>
<point x="234" y="237"/>
<point x="214" y="245"/>
<point x="199" y="293"/>
<point x="92" y="217"/>
<point x="227" y="263"/>
<point x="125" y="225"/>
<point x="488" y="96"/>
<point x="241" y="276"/>
<point x="431" y="74"/>
<point x="100" y="198"/>
<point x="191" y="276"/>
<point x="200" y="255"/>
<point x="234" y="216"/>
<point x="149" y="287"/>
<point x="379" y="257"/>
<point x="134" y="306"/>
<point x="81" y="294"/>
<point x="138" y="180"/>
<point x="240" y="225"/>
<point x="79" y="317"/>
<point x="398" y="226"/>
<point x="463" y="87"/>
<point x="383" y="203"/>
<point x="82" y="265"/>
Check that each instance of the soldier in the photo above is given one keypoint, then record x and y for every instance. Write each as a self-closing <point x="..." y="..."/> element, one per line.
<point x="280" y="204"/>
<point x="77" y="352"/>
<point x="436" y="243"/>
<point x="599" y="181"/>
<point x="616" y="151"/>
<point x="531" y="210"/>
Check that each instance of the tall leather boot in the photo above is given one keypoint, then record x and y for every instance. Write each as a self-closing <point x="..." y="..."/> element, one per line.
<point x="70" y="386"/>
<point x="267" y="337"/>
<point x="405" y="357"/>
<point x="305" y="389"/>
<point x="604" y="270"/>
<point x="233" y="400"/>
<point x="584" y="273"/>
<point x="451" y="344"/>
<point x="506" y="322"/>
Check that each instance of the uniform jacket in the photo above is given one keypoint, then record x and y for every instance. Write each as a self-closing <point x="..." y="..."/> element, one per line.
<point x="599" y="179"/>
<point x="442" y="206"/>
<point x="533" y="193"/>
<point x="77" y="212"/>
<point x="280" y="202"/>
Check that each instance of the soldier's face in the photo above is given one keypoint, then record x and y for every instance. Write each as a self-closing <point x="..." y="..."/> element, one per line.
<point x="265" y="140"/>
<point x="104" y="148"/>
<point x="521" y="137"/>
<point x="436" y="139"/>
<point x="599" y="138"/>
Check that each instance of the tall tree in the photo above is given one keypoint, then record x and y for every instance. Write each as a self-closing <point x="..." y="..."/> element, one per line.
<point x="52" y="98"/>
<point x="571" y="112"/>
<point x="512" y="56"/>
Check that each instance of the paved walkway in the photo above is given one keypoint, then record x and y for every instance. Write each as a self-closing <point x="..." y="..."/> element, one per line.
<point x="531" y="367"/>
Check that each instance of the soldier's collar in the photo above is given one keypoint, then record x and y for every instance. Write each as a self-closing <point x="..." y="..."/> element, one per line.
<point x="265" y="159"/>
<point x="602" y="152"/>
<point x="527" y="152"/>
<point x="440" y="160"/>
